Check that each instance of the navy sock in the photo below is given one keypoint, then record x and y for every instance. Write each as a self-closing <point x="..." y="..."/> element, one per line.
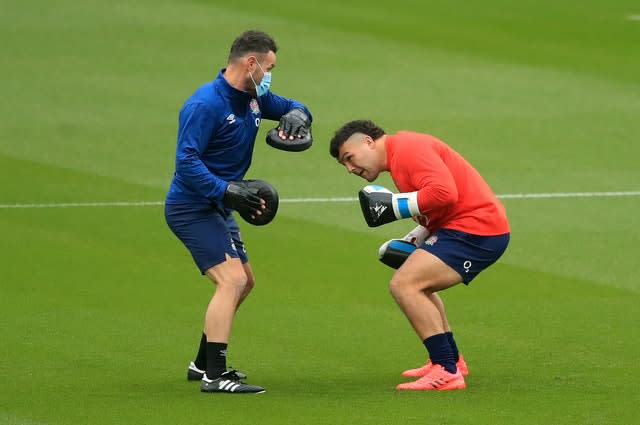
<point x="201" y="357"/>
<point x="454" y="347"/>
<point x="440" y="352"/>
<point x="216" y="359"/>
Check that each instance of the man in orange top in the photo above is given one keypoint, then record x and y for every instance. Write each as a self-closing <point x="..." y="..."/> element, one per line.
<point x="463" y="230"/>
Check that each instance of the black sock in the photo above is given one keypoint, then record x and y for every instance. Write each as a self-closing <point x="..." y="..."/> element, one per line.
<point x="454" y="347"/>
<point x="216" y="359"/>
<point x="440" y="352"/>
<point x="201" y="357"/>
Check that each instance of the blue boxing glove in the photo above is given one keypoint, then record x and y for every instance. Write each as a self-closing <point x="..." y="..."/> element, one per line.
<point x="394" y="252"/>
<point x="381" y="206"/>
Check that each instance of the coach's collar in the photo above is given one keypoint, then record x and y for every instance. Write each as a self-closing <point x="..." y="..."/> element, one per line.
<point x="229" y="90"/>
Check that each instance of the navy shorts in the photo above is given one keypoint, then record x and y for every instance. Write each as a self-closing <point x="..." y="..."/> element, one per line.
<point x="207" y="233"/>
<point x="466" y="253"/>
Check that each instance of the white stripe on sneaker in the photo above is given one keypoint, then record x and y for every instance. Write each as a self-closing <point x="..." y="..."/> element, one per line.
<point x="193" y="367"/>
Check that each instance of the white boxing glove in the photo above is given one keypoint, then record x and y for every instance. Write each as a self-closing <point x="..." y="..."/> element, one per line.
<point x="417" y="236"/>
<point x="380" y="206"/>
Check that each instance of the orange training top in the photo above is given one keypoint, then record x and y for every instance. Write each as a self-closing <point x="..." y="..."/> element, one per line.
<point x="451" y="193"/>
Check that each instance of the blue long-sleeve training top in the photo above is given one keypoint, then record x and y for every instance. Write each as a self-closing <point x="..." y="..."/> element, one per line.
<point x="217" y="129"/>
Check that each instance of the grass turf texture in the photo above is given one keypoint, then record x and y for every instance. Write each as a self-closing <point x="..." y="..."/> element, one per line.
<point x="101" y="308"/>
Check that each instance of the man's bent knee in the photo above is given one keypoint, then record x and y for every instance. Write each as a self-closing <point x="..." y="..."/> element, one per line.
<point x="400" y="286"/>
<point x="251" y="279"/>
<point x="251" y="283"/>
<point x="229" y="275"/>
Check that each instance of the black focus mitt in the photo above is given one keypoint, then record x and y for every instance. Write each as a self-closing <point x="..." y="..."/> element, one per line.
<point x="296" y="124"/>
<point x="244" y="197"/>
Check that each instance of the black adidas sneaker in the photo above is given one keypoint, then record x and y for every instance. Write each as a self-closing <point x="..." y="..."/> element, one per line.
<point x="228" y="382"/>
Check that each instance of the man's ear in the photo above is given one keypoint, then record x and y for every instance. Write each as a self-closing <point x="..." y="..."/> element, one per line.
<point x="250" y="61"/>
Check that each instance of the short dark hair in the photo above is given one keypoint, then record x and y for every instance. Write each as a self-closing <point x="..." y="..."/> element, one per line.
<point x="252" y="41"/>
<point x="349" y="129"/>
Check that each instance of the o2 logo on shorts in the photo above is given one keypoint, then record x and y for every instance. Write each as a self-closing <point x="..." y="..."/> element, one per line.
<point x="431" y="240"/>
<point x="233" y="245"/>
<point x="466" y="265"/>
<point x="257" y="122"/>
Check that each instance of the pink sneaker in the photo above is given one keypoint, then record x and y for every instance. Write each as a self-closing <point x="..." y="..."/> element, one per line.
<point x="422" y="371"/>
<point x="436" y="379"/>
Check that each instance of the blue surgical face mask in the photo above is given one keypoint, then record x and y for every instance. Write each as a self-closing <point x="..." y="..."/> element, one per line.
<point x="265" y="84"/>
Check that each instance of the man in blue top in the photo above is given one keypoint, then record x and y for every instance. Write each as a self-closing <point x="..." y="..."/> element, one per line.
<point x="216" y="135"/>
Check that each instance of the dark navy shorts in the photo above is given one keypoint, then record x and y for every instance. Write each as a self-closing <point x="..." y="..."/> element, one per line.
<point x="466" y="253"/>
<point x="207" y="233"/>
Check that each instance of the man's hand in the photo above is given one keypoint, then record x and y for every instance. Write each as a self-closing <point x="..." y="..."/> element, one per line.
<point x="241" y="198"/>
<point x="294" y="124"/>
<point x="417" y="236"/>
<point x="255" y="200"/>
<point x="293" y="133"/>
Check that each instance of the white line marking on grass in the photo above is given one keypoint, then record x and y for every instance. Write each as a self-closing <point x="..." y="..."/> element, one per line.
<point x="504" y="196"/>
<point x="314" y="200"/>
<point x="85" y="204"/>
<point x="317" y="200"/>
<point x="567" y="195"/>
<point x="633" y="18"/>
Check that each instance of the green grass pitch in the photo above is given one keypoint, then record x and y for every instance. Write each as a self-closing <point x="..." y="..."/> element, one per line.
<point x="101" y="307"/>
